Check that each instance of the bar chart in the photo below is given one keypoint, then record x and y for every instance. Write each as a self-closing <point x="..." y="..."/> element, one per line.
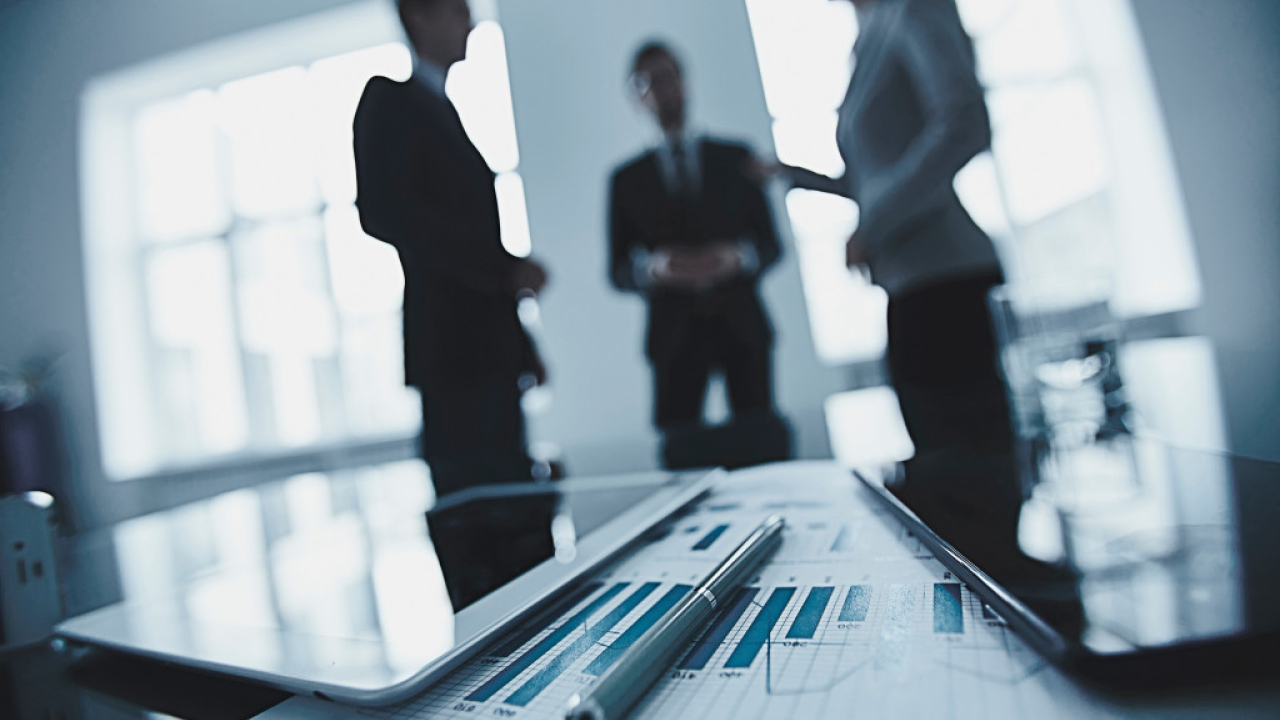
<point x="788" y="651"/>
<point x="847" y="605"/>
<point x="710" y="538"/>
<point x="758" y="632"/>
<point x="757" y="617"/>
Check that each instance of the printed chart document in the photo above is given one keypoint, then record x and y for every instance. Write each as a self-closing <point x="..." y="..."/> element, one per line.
<point x="852" y="617"/>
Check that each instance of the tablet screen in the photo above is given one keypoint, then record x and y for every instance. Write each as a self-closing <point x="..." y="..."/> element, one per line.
<point x="346" y="587"/>
<point x="1124" y="546"/>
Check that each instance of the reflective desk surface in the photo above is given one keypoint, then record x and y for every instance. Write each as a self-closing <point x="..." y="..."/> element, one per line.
<point x="359" y="538"/>
<point x="282" y="533"/>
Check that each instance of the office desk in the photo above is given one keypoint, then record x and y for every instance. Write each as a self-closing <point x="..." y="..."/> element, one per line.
<point x="41" y="684"/>
<point x="252" y="555"/>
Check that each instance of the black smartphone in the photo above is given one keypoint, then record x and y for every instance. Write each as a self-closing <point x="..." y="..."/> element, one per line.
<point x="1161" y="570"/>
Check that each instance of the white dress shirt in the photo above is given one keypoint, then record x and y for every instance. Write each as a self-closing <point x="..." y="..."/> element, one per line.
<point x="431" y="76"/>
<point x="644" y="263"/>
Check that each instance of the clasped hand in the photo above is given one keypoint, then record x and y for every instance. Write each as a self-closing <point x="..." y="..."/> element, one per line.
<point x="527" y="278"/>
<point x="697" y="269"/>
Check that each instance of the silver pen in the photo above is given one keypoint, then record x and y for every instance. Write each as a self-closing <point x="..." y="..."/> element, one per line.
<point x="622" y="686"/>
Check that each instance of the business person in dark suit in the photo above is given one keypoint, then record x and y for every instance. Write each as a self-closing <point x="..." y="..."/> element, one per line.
<point x="692" y="233"/>
<point x="427" y="191"/>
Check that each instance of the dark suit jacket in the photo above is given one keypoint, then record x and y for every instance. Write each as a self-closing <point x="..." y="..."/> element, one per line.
<point x="644" y="215"/>
<point x="426" y="190"/>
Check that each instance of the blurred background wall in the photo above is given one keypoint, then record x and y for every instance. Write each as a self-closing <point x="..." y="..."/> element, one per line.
<point x="1216" y="67"/>
<point x="576" y="119"/>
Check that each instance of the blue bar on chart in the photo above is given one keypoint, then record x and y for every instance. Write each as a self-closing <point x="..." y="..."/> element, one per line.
<point x="948" y="615"/>
<point x="706" y="646"/>
<point x="491" y="686"/>
<point x="844" y="540"/>
<point x="757" y="633"/>
<point x="540" y="622"/>
<point x="710" y="538"/>
<point x="856" y="604"/>
<point x="646" y="622"/>
<point x="558" y="665"/>
<point x="806" y="622"/>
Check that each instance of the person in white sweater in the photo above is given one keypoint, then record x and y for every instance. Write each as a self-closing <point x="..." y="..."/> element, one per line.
<point x="914" y="115"/>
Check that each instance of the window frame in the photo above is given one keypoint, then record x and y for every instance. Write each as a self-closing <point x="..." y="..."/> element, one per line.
<point x="124" y="351"/>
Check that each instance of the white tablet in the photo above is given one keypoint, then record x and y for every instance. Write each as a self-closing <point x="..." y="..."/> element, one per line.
<point x="309" y="644"/>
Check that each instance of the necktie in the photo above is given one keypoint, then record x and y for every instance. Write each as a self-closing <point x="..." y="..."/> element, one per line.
<point x="684" y="186"/>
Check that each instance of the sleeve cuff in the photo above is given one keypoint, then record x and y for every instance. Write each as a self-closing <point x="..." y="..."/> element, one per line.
<point x="749" y="257"/>
<point x="642" y="268"/>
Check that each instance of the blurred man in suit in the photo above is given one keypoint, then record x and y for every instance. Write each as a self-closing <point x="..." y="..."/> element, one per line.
<point x="427" y="191"/>
<point x="693" y="234"/>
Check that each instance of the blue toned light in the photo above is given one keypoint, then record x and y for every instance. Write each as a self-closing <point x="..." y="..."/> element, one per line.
<point x="542" y="679"/>
<point x="758" y="633"/>
<point x="525" y="661"/>
<point x="706" y="646"/>
<point x="806" y="622"/>
<point x="646" y="622"/>
<point x="948" y="616"/>
<point x="856" y="604"/>
<point x="710" y="538"/>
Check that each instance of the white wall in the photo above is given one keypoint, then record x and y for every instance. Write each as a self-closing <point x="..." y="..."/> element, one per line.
<point x="569" y="60"/>
<point x="1216" y="65"/>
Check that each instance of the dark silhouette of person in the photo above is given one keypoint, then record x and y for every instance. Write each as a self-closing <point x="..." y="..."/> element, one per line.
<point x="425" y="189"/>
<point x="691" y="231"/>
<point x="914" y="116"/>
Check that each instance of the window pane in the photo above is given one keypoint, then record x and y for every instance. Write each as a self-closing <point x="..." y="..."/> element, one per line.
<point x="514" y="214"/>
<point x="809" y="141"/>
<point x="978" y="186"/>
<point x="481" y="89"/>
<point x="866" y="427"/>
<point x="376" y="399"/>
<point x="367" y="278"/>
<point x="1051" y="151"/>
<point x="284" y="327"/>
<point x="179" y="191"/>
<point x="982" y="16"/>
<point x="1069" y="254"/>
<point x="820" y="218"/>
<point x="803" y="47"/>
<point x="283" y="289"/>
<point x="286" y="316"/>
<point x="268" y="120"/>
<point x="846" y="313"/>
<point x="201" y="389"/>
<point x="1030" y="41"/>
<point x="335" y="85"/>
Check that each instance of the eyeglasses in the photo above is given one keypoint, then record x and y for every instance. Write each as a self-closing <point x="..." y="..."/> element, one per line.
<point x="640" y="83"/>
<point x="644" y="81"/>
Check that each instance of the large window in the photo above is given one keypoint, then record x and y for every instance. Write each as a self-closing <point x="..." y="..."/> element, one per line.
<point x="804" y="51"/>
<point x="237" y="306"/>
<point x="1079" y="190"/>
